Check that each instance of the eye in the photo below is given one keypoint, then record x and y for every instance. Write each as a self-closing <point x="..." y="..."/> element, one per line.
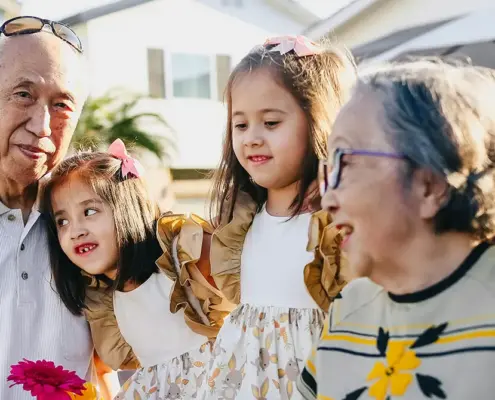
<point x="23" y="94"/>
<point x="89" y="212"/>
<point x="61" y="222"/>
<point x="240" y="126"/>
<point x="272" y="124"/>
<point x="63" y="106"/>
<point x="345" y="160"/>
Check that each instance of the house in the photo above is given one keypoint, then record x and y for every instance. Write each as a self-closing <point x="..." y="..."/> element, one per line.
<point x="180" y="54"/>
<point x="370" y="27"/>
<point x="9" y="9"/>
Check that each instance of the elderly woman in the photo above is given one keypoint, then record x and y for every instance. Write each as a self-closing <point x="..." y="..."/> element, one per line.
<point x="410" y="183"/>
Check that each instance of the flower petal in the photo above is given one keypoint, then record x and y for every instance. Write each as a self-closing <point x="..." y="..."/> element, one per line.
<point x="395" y="352"/>
<point x="399" y="383"/>
<point x="378" y="371"/>
<point x="379" y="389"/>
<point x="409" y="361"/>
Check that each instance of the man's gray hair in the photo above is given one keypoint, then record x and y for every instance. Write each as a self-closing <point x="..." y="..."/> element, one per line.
<point x="441" y="117"/>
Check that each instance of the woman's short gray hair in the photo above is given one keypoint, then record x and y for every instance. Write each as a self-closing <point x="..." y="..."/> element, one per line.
<point x="442" y="118"/>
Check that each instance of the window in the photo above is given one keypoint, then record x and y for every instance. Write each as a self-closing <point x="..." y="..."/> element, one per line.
<point x="181" y="75"/>
<point x="191" y="75"/>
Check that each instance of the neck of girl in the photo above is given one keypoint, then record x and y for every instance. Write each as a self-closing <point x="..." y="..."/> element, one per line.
<point x="279" y="200"/>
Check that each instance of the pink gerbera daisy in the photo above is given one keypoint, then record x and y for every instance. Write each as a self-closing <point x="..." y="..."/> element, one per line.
<point x="45" y="381"/>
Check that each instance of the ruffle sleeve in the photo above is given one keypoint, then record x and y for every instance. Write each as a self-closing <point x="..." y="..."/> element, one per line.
<point x="325" y="276"/>
<point x="107" y="339"/>
<point x="181" y="239"/>
<point x="226" y="249"/>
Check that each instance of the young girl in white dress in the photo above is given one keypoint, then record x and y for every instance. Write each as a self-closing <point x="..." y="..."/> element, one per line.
<point x="127" y="269"/>
<point x="270" y="255"/>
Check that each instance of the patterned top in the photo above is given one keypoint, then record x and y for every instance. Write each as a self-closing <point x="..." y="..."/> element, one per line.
<point x="438" y="343"/>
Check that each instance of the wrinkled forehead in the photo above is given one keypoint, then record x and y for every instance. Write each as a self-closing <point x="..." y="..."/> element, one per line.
<point x="45" y="59"/>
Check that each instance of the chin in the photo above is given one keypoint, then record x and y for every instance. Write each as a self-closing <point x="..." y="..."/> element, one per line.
<point x="269" y="184"/>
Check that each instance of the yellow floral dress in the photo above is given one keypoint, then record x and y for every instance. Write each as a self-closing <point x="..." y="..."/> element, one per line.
<point x="282" y="280"/>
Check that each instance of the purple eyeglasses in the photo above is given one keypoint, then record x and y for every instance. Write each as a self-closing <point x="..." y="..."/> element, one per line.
<point x="329" y="174"/>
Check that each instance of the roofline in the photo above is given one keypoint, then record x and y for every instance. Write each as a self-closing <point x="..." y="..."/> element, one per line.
<point x="101" y="11"/>
<point x="323" y="27"/>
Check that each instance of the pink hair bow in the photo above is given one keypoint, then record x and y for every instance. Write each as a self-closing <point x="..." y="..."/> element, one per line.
<point x="301" y="45"/>
<point x="130" y="166"/>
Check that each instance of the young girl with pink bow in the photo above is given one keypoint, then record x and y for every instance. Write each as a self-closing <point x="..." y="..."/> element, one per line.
<point x="270" y="255"/>
<point x="128" y="269"/>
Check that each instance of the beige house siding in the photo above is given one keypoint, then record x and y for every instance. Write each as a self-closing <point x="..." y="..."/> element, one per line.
<point x="10" y="8"/>
<point x="388" y="16"/>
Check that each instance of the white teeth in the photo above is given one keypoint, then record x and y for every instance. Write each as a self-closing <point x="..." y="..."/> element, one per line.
<point x="86" y="248"/>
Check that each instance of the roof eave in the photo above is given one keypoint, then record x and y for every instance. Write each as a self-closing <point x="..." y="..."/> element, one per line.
<point x="323" y="27"/>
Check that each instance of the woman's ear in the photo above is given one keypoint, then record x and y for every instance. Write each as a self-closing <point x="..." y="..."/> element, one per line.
<point x="432" y="191"/>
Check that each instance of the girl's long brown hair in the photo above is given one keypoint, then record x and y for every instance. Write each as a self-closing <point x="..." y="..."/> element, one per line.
<point x="134" y="212"/>
<point x="320" y="84"/>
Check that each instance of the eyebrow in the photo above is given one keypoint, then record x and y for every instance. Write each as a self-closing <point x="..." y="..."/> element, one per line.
<point x="82" y="203"/>
<point x="263" y="111"/>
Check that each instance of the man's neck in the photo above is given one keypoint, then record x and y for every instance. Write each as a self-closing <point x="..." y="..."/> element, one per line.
<point x="16" y="196"/>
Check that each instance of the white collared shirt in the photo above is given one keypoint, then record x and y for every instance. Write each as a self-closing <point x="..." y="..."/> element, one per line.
<point x="34" y="323"/>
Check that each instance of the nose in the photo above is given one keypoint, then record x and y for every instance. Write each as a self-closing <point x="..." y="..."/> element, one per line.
<point x="329" y="201"/>
<point x="78" y="231"/>
<point x="253" y="137"/>
<point x="39" y="123"/>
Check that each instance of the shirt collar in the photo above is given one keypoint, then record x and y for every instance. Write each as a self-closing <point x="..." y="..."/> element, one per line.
<point x="3" y="209"/>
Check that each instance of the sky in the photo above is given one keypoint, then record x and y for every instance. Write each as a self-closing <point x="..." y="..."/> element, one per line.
<point x="61" y="8"/>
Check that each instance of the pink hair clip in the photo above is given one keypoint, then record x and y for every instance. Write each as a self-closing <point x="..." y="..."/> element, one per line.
<point x="130" y="166"/>
<point x="301" y="45"/>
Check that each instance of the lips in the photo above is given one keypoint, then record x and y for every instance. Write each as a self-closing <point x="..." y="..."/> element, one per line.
<point x="33" y="152"/>
<point x="85" y="248"/>
<point x="259" y="159"/>
<point x="346" y="232"/>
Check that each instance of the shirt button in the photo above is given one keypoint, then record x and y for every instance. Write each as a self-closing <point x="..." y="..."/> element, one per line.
<point x="24" y="275"/>
<point x="11" y="217"/>
<point x="22" y="247"/>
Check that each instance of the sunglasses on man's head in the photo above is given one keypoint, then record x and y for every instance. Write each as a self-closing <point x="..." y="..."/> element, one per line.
<point x="329" y="174"/>
<point x="26" y="25"/>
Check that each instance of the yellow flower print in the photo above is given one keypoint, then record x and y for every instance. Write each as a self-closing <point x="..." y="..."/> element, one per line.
<point x="393" y="376"/>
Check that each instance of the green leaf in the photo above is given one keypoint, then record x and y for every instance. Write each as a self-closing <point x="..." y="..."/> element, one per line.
<point x="429" y="336"/>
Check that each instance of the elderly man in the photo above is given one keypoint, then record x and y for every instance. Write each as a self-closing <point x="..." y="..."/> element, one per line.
<point x="42" y="93"/>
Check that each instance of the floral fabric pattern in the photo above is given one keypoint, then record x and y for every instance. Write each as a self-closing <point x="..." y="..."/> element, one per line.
<point x="259" y="353"/>
<point x="179" y="379"/>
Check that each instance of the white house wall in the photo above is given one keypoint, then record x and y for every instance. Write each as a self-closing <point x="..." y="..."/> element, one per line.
<point x="392" y="15"/>
<point x="117" y="50"/>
